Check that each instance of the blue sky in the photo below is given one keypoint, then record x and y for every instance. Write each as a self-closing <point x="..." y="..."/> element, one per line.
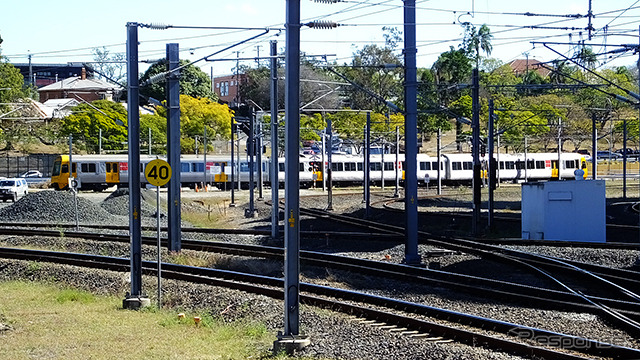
<point x="62" y="31"/>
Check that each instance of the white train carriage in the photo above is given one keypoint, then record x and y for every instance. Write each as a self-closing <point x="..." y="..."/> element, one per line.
<point x="427" y="168"/>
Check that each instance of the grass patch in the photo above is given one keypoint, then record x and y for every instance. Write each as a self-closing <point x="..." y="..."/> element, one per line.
<point x="49" y="322"/>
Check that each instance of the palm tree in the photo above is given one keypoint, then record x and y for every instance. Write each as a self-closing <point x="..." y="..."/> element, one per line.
<point x="586" y="57"/>
<point x="474" y="41"/>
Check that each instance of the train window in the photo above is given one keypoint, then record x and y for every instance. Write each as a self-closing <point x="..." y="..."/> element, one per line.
<point x="74" y="167"/>
<point x="570" y="164"/>
<point x="65" y="168"/>
<point x="434" y="165"/>
<point x="197" y="167"/>
<point x="88" y="167"/>
<point x="360" y="166"/>
<point x="540" y="164"/>
<point x="337" y="167"/>
<point x="467" y="165"/>
<point x="402" y="164"/>
<point x="519" y="165"/>
<point x="281" y="167"/>
<point x="108" y="166"/>
<point x="184" y="167"/>
<point x="388" y="166"/>
<point x="425" y="165"/>
<point x="501" y="165"/>
<point x="456" y="165"/>
<point x="510" y="165"/>
<point x="375" y="166"/>
<point x="530" y="164"/>
<point x="350" y="166"/>
<point x="301" y="167"/>
<point x="244" y="167"/>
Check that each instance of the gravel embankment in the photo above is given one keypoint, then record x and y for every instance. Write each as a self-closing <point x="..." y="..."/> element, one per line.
<point x="333" y="335"/>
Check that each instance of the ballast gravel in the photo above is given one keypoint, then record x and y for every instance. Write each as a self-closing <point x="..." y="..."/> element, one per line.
<point x="333" y="335"/>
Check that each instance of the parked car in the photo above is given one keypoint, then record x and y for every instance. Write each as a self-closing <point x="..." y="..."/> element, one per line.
<point x="31" y="173"/>
<point x="13" y="189"/>
<point x="608" y="155"/>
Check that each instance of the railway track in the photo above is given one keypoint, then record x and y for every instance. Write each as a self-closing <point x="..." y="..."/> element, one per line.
<point x="391" y="312"/>
<point x="613" y="280"/>
<point x="483" y="287"/>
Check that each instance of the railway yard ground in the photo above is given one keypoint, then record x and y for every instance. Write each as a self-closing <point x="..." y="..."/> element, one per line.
<point x="28" y="330"/>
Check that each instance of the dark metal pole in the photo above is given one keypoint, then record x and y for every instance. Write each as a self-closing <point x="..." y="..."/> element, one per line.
<point x="367" y="167"/>
<point x="205" y="157"/>
<point x="173" y="149"/>
<point x="438" y="144"/>
<point x="594" y="148"/>
<point x="477" y="182"/>
<point x="275" y="204"/>
<point x="624" y="158"/>
<point x="412" y="256"/>
<point x="329" y="164"/>
<point x="133" y="119"/>
<point x="397" y="166"/>
<point x="491" y="165"/>
<point x="259" y="159"/>
<point x="251" y="147"/>
<point x="233" y="163"/>
<point x="292" y="174"/>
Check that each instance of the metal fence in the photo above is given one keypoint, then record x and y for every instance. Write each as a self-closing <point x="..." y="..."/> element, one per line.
<point x="13" y="166"/>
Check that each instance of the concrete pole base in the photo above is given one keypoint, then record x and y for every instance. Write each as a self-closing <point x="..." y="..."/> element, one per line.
<point x="135" y="303"/>
<point x="290" y="344"/>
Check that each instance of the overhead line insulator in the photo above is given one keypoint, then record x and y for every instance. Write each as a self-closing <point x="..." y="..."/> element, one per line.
<point x="322" y="24"/>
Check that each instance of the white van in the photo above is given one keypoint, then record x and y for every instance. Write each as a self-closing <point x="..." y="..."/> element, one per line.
<point x="13" y="188"/>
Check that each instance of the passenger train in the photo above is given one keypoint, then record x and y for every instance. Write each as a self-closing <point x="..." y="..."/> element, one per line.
<point x="98" y="172"/>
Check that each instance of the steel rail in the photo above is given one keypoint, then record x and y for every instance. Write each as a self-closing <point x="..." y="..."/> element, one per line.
<point x="513" y="256"/>
<point x="476" y="285"/>
<point x="216" y="277"/>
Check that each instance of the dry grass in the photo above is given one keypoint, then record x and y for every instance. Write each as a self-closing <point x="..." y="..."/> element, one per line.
<point x="48" y="322"/>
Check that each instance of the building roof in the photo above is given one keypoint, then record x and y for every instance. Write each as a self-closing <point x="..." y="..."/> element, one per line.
<point x="80" y="84"/>
<point x="520" y="66"/>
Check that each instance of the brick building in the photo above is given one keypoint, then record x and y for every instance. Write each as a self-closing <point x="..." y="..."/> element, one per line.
<point x="227" y="87"/>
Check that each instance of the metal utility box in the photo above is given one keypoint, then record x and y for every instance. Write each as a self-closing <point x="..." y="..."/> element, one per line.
<point x="564" y="210"/>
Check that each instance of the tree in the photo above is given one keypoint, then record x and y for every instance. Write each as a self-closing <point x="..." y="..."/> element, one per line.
<point x="586" y="57"/>
<point x="109" y="66"/>
<point x="85" y="123"/>
<point x="11" y="85"/>
<point x="195" y="114"/>
<point x="476" y="40"/>
<point x="314" y="89"/>
<point x="193" y="82"/>
<point x="377" y="69"/>
<point x="451" y="70"/>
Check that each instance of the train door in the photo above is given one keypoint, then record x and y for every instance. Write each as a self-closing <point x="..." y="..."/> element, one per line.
<point x="112" y="173"/>
<point x="316" y="169"/>
<point x="555" y="170"/>
<point x="218" y="170"/>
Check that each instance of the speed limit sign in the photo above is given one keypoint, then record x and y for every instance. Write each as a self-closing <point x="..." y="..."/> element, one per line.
<point x="158" y="172"/>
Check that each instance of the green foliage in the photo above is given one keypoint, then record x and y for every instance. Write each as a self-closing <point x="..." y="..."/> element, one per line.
<point x="12" y="85"/>
<point x="193" y="82"/>
<point x="367" y="69"/>
<point x="195" y="114"/>
<point x="85" y="122"/>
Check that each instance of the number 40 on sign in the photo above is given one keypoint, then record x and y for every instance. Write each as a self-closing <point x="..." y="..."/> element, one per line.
<point x="158" y="172"/>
